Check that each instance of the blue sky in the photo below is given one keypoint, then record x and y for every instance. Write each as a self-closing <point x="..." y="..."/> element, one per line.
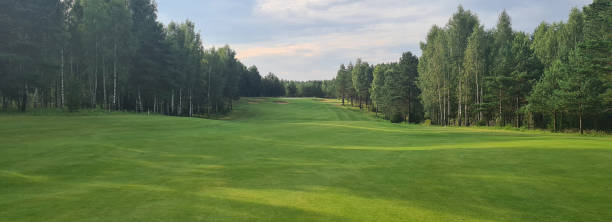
<point x="309" y="39"/>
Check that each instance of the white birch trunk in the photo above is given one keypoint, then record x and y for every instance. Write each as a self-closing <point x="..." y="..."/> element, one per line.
<point x="105" y="106"/>
<point x="190" y="104"/>
<point x="115" y="77"/>
<point x="180" y="108"/>
<point x="62" y="81"/>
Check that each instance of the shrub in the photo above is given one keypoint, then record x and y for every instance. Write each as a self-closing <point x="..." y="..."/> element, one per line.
<point x="397" y="118"/>
<point x="481" y="123"/>
<point x="499" y="122"/>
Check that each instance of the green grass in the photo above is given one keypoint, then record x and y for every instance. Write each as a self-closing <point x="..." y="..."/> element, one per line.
<point x="303" y="161"/>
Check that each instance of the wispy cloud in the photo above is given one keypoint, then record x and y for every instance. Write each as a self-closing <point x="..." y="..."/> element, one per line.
<point x="309" y="39"/>
<point x="344" y="11"/>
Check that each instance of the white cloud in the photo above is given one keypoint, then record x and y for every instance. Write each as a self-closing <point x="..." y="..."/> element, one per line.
<point x="380" y="31"/>
<point x="344" y="11"/>
<point x="371" y="43"/>
<point x="309" y="39"/>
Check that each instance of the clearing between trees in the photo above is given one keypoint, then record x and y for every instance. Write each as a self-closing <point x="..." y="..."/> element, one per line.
<point x="307" y="160"/>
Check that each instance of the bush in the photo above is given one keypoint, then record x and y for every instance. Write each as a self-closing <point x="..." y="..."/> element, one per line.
<point x="481" y="123"/>
<point x="498" y="122"/>
<point x="397" y="118"/>
<point x="427" y="122"/>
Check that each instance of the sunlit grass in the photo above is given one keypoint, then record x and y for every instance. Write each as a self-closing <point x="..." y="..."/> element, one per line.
<point x="309" y="160"/>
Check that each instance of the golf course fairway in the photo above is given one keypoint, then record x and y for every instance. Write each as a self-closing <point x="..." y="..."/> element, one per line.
<point x="277" y="159"/>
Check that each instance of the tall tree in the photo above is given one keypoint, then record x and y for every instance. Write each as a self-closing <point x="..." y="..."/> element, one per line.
<point x="342" y="82"/>
<point x="527" y="69"/>
<point x="586" y="84"/>
<point x="378" y="91"/>
<point x="474" y="70"/>
<point x="459" y="28"/>
<point x="408" y="74"/>
<point x="362" y="78"/>
<point x="433" y="72"/>
<point x="503" y="64"/>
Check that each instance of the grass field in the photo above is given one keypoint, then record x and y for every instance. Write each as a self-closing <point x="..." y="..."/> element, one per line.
<point x="302" y="161"/>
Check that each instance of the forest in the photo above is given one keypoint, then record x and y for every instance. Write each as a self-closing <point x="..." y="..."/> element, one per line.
<point x="116" y="55"/>
<point x="559" y="77"/>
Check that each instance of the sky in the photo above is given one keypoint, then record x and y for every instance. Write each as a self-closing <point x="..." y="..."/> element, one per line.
<point x="309" y="39"/>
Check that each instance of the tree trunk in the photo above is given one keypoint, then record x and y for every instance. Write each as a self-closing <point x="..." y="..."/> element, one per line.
<point x="554" y="120"/>
<point x="95" y="89"/>
<point x="440" y="105"/>
<point x="561" y="121"/>
<point x="180" y="108"/>
<point x="480" y="104"/>
<point x="466" y="99"/>
<point x="95" y="80"/>
<point x="35" y="99"/>
<point x="115" y="77"/>
<point x="517" y="112"/>
<point x="172" y="103"/>
<point x="466" y="118"/>
<point x="209" y="77"/>
<point x="580" y="117"/>
<point x="376" y="111"/>
<point x="138" y="101"/>
<point x="24" y="99"/>
<point x="409" y="103"/>
<point x="459" y="110"/>
<point x="448" y="105"/>
<point x="105" y="100"/>
<point x="501" y="119"/>
<point x="62" y="81"/>
<point x="478" y="98"/>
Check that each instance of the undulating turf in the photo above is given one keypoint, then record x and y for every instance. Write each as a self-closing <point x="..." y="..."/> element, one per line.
<point x="308" y="160"/>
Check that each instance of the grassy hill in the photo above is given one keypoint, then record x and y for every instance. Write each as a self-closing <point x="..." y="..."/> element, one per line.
<point x="294" y="160"/>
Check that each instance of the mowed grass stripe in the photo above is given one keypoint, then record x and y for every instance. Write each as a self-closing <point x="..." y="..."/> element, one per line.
<point x="308" y="160"/>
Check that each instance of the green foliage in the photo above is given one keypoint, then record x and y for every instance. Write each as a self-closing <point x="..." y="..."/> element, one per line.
<point x="292" y="89"/>
<point x="397" y="117"/>
<point x="469" y="76"/>
<point x="481" y="123"/>
<point x="250" y="83"/>
<point x="379" y="92"/>
<point x="343" y="82"/>
<point x="595" y="56"/>
<point x="362" y="80"/>
<point x="73" y="94"/>
<point x="122" y="56"/>
<point x="272" y="86"/>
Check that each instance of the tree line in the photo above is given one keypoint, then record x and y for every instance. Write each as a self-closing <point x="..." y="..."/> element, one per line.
<point x="389" y="89"/>
<point x="114" y="55"/>
<point x="559" y="77"/>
